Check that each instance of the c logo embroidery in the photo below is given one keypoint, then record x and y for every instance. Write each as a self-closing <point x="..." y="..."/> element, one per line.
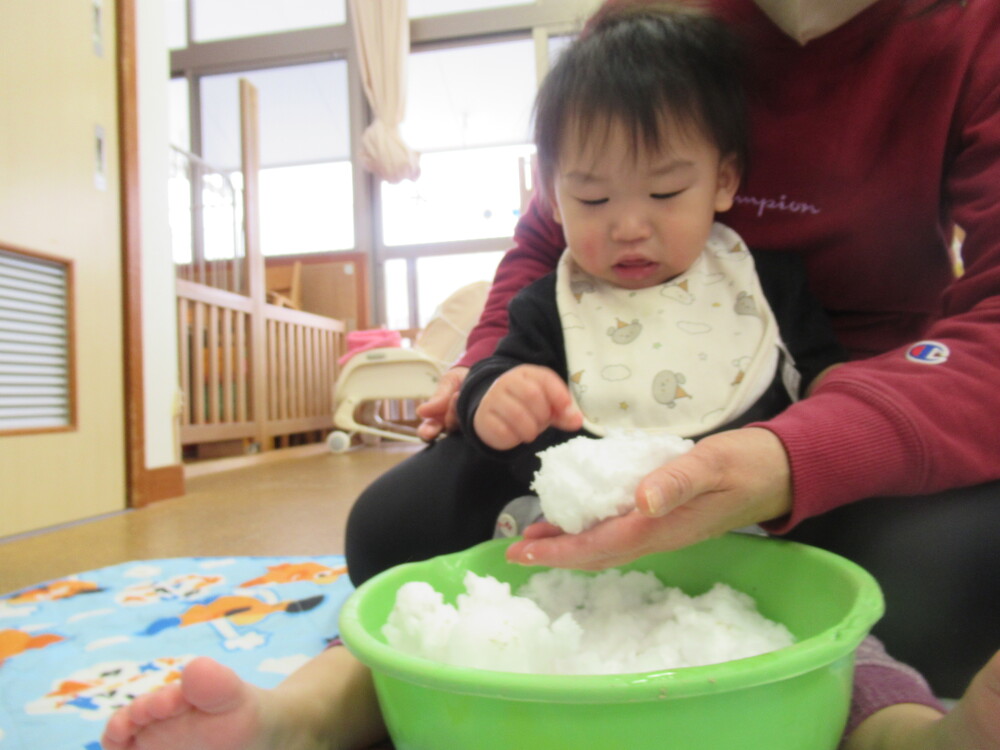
<point x="928" y="353"/>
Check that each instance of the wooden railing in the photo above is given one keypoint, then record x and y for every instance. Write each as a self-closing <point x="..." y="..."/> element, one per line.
<point x="252" y="371"/>
<point x="214" y="356"/>
<point x="302" y="353"/>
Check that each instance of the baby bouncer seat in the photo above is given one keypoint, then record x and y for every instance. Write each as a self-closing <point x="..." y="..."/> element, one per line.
<point x="397" y="373"/>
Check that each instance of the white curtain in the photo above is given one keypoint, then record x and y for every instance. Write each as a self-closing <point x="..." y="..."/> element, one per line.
<point x="382" y="35"/>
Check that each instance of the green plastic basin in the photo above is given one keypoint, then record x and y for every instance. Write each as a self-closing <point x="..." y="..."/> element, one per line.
<point x="796" y="698"/>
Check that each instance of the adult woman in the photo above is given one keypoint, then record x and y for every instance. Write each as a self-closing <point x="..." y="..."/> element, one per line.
<point x="875" y="130"/>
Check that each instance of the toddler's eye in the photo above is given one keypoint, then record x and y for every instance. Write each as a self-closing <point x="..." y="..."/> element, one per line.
<point x="665" y="196"/>
<point x="593" y="202"/>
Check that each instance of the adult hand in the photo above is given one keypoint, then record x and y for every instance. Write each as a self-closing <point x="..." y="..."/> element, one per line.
<point x="438" y="412"/>
<point x="727" y="481"/>
<point x="521" y="404"/>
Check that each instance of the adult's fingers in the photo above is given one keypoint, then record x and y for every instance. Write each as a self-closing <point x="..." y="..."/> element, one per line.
<point x="726" y="482"/>
<point x="439" y="412"/>
<point x="677" y="482"/>
<point x="615" y="541"/>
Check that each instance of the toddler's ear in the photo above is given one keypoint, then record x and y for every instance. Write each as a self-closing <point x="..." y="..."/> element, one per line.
<point x="727" y="183"/>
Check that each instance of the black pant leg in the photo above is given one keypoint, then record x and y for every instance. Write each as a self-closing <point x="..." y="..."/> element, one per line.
<point x="937" y="558"/>
<point x="444" y="499"/>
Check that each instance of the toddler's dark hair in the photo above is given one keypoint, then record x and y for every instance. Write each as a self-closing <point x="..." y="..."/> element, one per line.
<point x="632" y="64"/>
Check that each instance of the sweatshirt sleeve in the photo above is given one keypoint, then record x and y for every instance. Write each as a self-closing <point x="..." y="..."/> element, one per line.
<point x="922" y="418"/>
<point x="538" y="243"/>
<point x="535" y="337"/>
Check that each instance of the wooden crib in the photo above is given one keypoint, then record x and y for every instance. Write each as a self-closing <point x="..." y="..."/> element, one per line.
<point x="251" y="371"/>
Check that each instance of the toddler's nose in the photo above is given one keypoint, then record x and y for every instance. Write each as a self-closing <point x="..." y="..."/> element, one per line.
<point x="630" y="225"/>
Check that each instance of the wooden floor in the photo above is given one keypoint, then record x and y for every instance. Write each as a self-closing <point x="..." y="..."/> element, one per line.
<point x="290" y="507"/>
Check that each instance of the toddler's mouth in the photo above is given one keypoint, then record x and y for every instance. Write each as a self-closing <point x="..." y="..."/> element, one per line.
<point x="634" y="269"/>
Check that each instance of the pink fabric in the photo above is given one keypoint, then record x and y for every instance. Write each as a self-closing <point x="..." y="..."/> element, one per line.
<point x="880" y="681"/>
<point x="371" y="338"/>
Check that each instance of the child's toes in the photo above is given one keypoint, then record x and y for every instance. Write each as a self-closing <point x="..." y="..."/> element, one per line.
<point x="138" y="711"/>
<point x="118" y="732"/>
<point x="166" y="703"/>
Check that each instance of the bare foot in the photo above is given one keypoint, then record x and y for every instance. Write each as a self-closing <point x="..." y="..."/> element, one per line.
<point x="211" y="709"/>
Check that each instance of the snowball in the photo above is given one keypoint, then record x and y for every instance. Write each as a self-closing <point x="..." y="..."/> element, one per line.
<point x="564" y="622"/>
<point x="586" y="480"/>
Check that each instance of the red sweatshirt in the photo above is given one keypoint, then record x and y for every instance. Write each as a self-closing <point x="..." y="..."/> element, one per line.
<point x="868" y="145"/>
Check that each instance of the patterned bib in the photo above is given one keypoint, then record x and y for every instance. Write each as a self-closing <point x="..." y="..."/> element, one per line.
<point x="686" y="356"/>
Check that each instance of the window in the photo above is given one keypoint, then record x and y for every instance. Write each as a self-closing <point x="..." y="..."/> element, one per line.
<point x="214" y="231"/>
<point x="397" y="294"/>
<point x="180" y="114"/>
<point x="558" y="45"/>
<point x="468" y="112"/>
<point x="176" y="23"/>
<point x="423" y="8"/>
<point x="307" y="194"/>
<point x="306" y="209"/>
<point x="227" y="19"/>
<point x="461" y="195"/>
<point x="437" y="277"/>
<point x="471" y="82"/>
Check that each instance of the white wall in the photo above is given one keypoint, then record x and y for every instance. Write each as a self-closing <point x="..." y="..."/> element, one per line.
<point x="159" y="323"/>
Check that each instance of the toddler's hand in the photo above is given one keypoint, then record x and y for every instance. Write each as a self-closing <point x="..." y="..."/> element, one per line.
<point x="522" y="404"/>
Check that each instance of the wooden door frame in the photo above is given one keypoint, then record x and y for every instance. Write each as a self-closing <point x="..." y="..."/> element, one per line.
<point x="143" y="485"/>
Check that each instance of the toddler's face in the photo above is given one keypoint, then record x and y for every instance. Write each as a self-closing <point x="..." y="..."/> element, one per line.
<point x="635" y="218"/>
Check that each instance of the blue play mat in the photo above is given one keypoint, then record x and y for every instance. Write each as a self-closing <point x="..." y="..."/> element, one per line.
<point x="75" y="649"/>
